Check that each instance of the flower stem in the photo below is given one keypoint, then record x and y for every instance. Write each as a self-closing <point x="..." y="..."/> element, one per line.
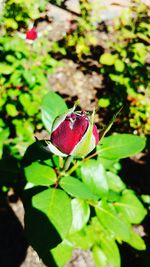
<point x="67" y="163"/>
<point x="61" y="162"/>
<point x="78" y="163"/>
<point x="74" y="167"/>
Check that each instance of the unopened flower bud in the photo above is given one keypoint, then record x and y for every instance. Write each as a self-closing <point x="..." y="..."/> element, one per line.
<point x="73" y="133"/>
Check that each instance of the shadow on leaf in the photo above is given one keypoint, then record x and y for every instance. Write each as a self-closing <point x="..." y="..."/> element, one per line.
<point x="41" y="234"/>
<point x="37" y="151"/>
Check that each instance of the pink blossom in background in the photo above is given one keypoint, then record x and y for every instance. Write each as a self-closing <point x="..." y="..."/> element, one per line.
<point x="31" y="34"/>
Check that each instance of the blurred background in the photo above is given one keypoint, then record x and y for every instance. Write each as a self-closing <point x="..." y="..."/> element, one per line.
<point x="93" y="51"/>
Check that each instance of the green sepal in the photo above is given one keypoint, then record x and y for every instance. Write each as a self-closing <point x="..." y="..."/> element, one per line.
<point x="87" y="143"/>
<point x="61" y="118"/>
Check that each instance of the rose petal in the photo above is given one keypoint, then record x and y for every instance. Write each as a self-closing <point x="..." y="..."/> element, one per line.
<point x="69" y="133"/>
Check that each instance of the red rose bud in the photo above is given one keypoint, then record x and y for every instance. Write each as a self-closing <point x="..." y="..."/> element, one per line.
<point x="31" y="34"/>
<point x="73" y="133"/>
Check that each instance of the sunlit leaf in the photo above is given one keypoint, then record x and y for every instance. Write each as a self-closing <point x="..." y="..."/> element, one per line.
<point x="121" y="146"/>
<point x="52" y="106"/>
<point x="62" y="253"/>
<point x="39" y="174"/>
<point x="99" y="257"/>
<point x="114" y="181"/>
<point x="108" y="216"/>
<point x="111" y="251"/>
<point x="136" y="241"/>
<point x="76" y="188"/>
<point x="131" y="207"/>
<point x="94" y="176"/>
<point x="11" y="110"/>
<point x="80" y="214"/>
<point x="107" y="59"/>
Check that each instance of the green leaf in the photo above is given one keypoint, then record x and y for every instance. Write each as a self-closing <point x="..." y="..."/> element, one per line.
<point x="80" y="214"/>
<point x="6" y="69"/>
<point x="24" y="129"/>
<point x="15" y="78"/>
<point x="3" y="137"/>
<point x="11" y="23"/>
<point x="62" y="253"/>
<point x="99" y="257"/>
<point x="119" y="65"/>
<point x="107" y="59"/>
<point x="25" y="100"/>
<point x="131" y="207"/>
<point x="145" y="199"/>
<point x="136" y="241"/>
<point x="76" y="188"/>
<point x="56" y="205"/>
<point x="110" y="219"/>
<point x="106" y="252"/>
<point x="11" y="110"/>
<point x="114" y="182"/>
<point x="104" y="102"/>
<point x="31" y="107"/>
<point x="113" y="196"/>
<point x="10" y="58"/>
<point x="29" y="77"/>
<point x="81" y="239"/>
<point x="52" y="106"/>
<point x="39" y="174"/>
<point x="120" y="146"/>
<point x="111" y="251"/>
<point x="2" y="124"/>
<point x="112" y="165"/>
<point x="94" y="176"/>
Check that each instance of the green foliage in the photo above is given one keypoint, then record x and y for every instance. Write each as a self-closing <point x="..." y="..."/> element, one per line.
<point x="130" y="207"/>
<point x="114" y="182"/>
<point x="106" y="253"/>
<point x="80" y="214"/>
<point x="3" y="139"/>
<point x="80" y="37"/>
<point x="136" y="241"/>
<point x="52" y="106"/>
<point x="110" y="219"/>
<point x="76" y="188"/>
<point x="126" y="66"/>
<point x="43" y="175"/>
<point x="108" y="59"/>
<point x="53" y="202"/>
<point x="120" y="146"/>
<point x="124" y="63"/>
<point x="20" y="13"/>
<point x="24" y="81"/>
<point x="62" y="253"/>
<point x="88" y="204"/>
<point x="94" y="176"/>
<point x="104" y="102"/>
